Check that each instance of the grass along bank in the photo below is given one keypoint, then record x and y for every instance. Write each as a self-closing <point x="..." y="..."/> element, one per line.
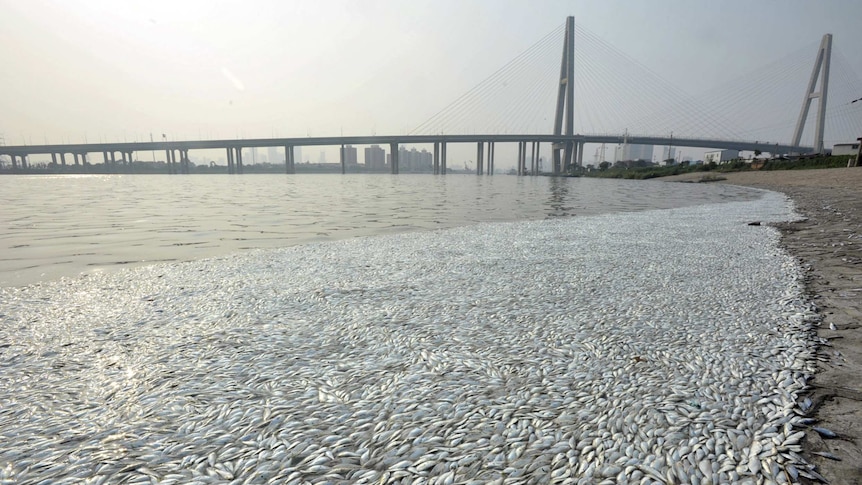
<point x="734" y="166"/>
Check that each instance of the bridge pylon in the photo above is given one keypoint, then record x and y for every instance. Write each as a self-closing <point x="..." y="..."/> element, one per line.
<point x="821" y="72"/>
<point x="566" y="100"/>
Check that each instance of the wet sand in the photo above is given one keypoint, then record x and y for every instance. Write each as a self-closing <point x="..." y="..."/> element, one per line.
<point x="829" y="245"/>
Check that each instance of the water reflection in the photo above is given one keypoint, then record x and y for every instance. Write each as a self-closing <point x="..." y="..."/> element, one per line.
<point x="558" y="195"/>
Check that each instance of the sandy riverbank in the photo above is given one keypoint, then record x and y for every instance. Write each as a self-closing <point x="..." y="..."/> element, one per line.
<point x="829" y="243"/>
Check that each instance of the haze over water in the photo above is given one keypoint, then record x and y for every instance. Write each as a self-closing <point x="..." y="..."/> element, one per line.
<point x="55" y="226"/>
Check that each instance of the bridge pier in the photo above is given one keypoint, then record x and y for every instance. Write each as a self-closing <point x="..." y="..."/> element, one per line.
<point x="436" y="167"/>
<point x="518" y="159"/>
<point x="76" y="158"/>
<point x="238" y="160"/>
<point x="580" y="155"/>
<point x="229" y="151"/>
<point x="443" y="158"/>
<point x="84" y="159"/>
<point x="532" y="159"/>
<point x="63" y="159"/>
<point x="289" y="164"/>
<point x="491" y="148"/>
<point x="341" y="159"/>
<point x="53" y="159"/>
<point x="393" y="158"/>
<point x="480" y="157"/>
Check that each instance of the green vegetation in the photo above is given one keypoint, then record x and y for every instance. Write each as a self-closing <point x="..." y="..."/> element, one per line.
<point x="733" y="166"/>
<point x="807" y="163"/>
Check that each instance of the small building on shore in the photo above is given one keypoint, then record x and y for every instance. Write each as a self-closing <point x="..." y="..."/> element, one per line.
<point x="845" y="149"/>
<point x="721" y="156"/>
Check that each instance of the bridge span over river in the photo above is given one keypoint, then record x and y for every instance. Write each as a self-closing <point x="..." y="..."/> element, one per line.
<point x="177" y="152"/>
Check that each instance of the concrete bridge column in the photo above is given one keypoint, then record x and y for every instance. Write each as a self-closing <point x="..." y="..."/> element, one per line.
<point x="238" y="160"/>
<point x="229" y="152"/>
<point x="289" y="164"/>
<point x="533" y="158"/>
<point x="63" y="159"/>
<point x="581" y="155"/>
<point x="436" y="166"/>
<point x="443" y="158"/>
<point x="84" y="159"/>
<point x="53" y="159"/>
<point x="490" y="158"/>
<point x="393" y="158"/>
<point x="130" y="158"/>
<point x="75" y="155"/>
<point x="168" y="159"/>
<point x="480" y="158"/>
<point x="520" y="149"/>
<point x="536" y="157"/>
<point x="14" y="162"/>
<point x="341" y="159"/>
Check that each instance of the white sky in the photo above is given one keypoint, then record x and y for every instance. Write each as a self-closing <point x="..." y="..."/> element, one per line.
<point x="114" y="70"/>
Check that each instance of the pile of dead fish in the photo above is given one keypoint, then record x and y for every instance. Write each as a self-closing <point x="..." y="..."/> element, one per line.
<point x="653" y="347"/>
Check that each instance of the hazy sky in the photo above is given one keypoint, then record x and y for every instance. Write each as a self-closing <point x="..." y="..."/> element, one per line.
<point x="119" y="70"/>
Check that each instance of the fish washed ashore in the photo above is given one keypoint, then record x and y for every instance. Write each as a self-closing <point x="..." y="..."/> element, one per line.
<point x="651" y="347"/>
<point x="828" y="242"/>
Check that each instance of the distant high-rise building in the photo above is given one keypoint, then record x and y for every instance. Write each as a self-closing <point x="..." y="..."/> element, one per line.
<point x="249" y="156"/>
<point x="403" y="159"/>
<point x="349" y="154"/>
<point x="668" y="153"/>
<point x="272" y="155"/>
<point x="375" y="158"/>
<point x="628" y="151"/>
<point x="413" y="160"/>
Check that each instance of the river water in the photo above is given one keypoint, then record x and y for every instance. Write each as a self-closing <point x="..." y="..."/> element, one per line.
<point x="55" y="226"/>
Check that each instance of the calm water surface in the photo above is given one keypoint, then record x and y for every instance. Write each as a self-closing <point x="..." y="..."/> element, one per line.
<point x="54" y="226"/>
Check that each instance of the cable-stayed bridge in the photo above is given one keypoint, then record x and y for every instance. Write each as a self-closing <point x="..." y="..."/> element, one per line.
<point x="592" y="94"/>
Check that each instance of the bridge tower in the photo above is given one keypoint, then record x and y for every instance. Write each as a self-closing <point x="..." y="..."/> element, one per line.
<point x="820" y="71"/>
<point x="566" y="100"/>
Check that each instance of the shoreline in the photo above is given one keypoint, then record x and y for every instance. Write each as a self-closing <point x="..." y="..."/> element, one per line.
<point x="828" y="244"/>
